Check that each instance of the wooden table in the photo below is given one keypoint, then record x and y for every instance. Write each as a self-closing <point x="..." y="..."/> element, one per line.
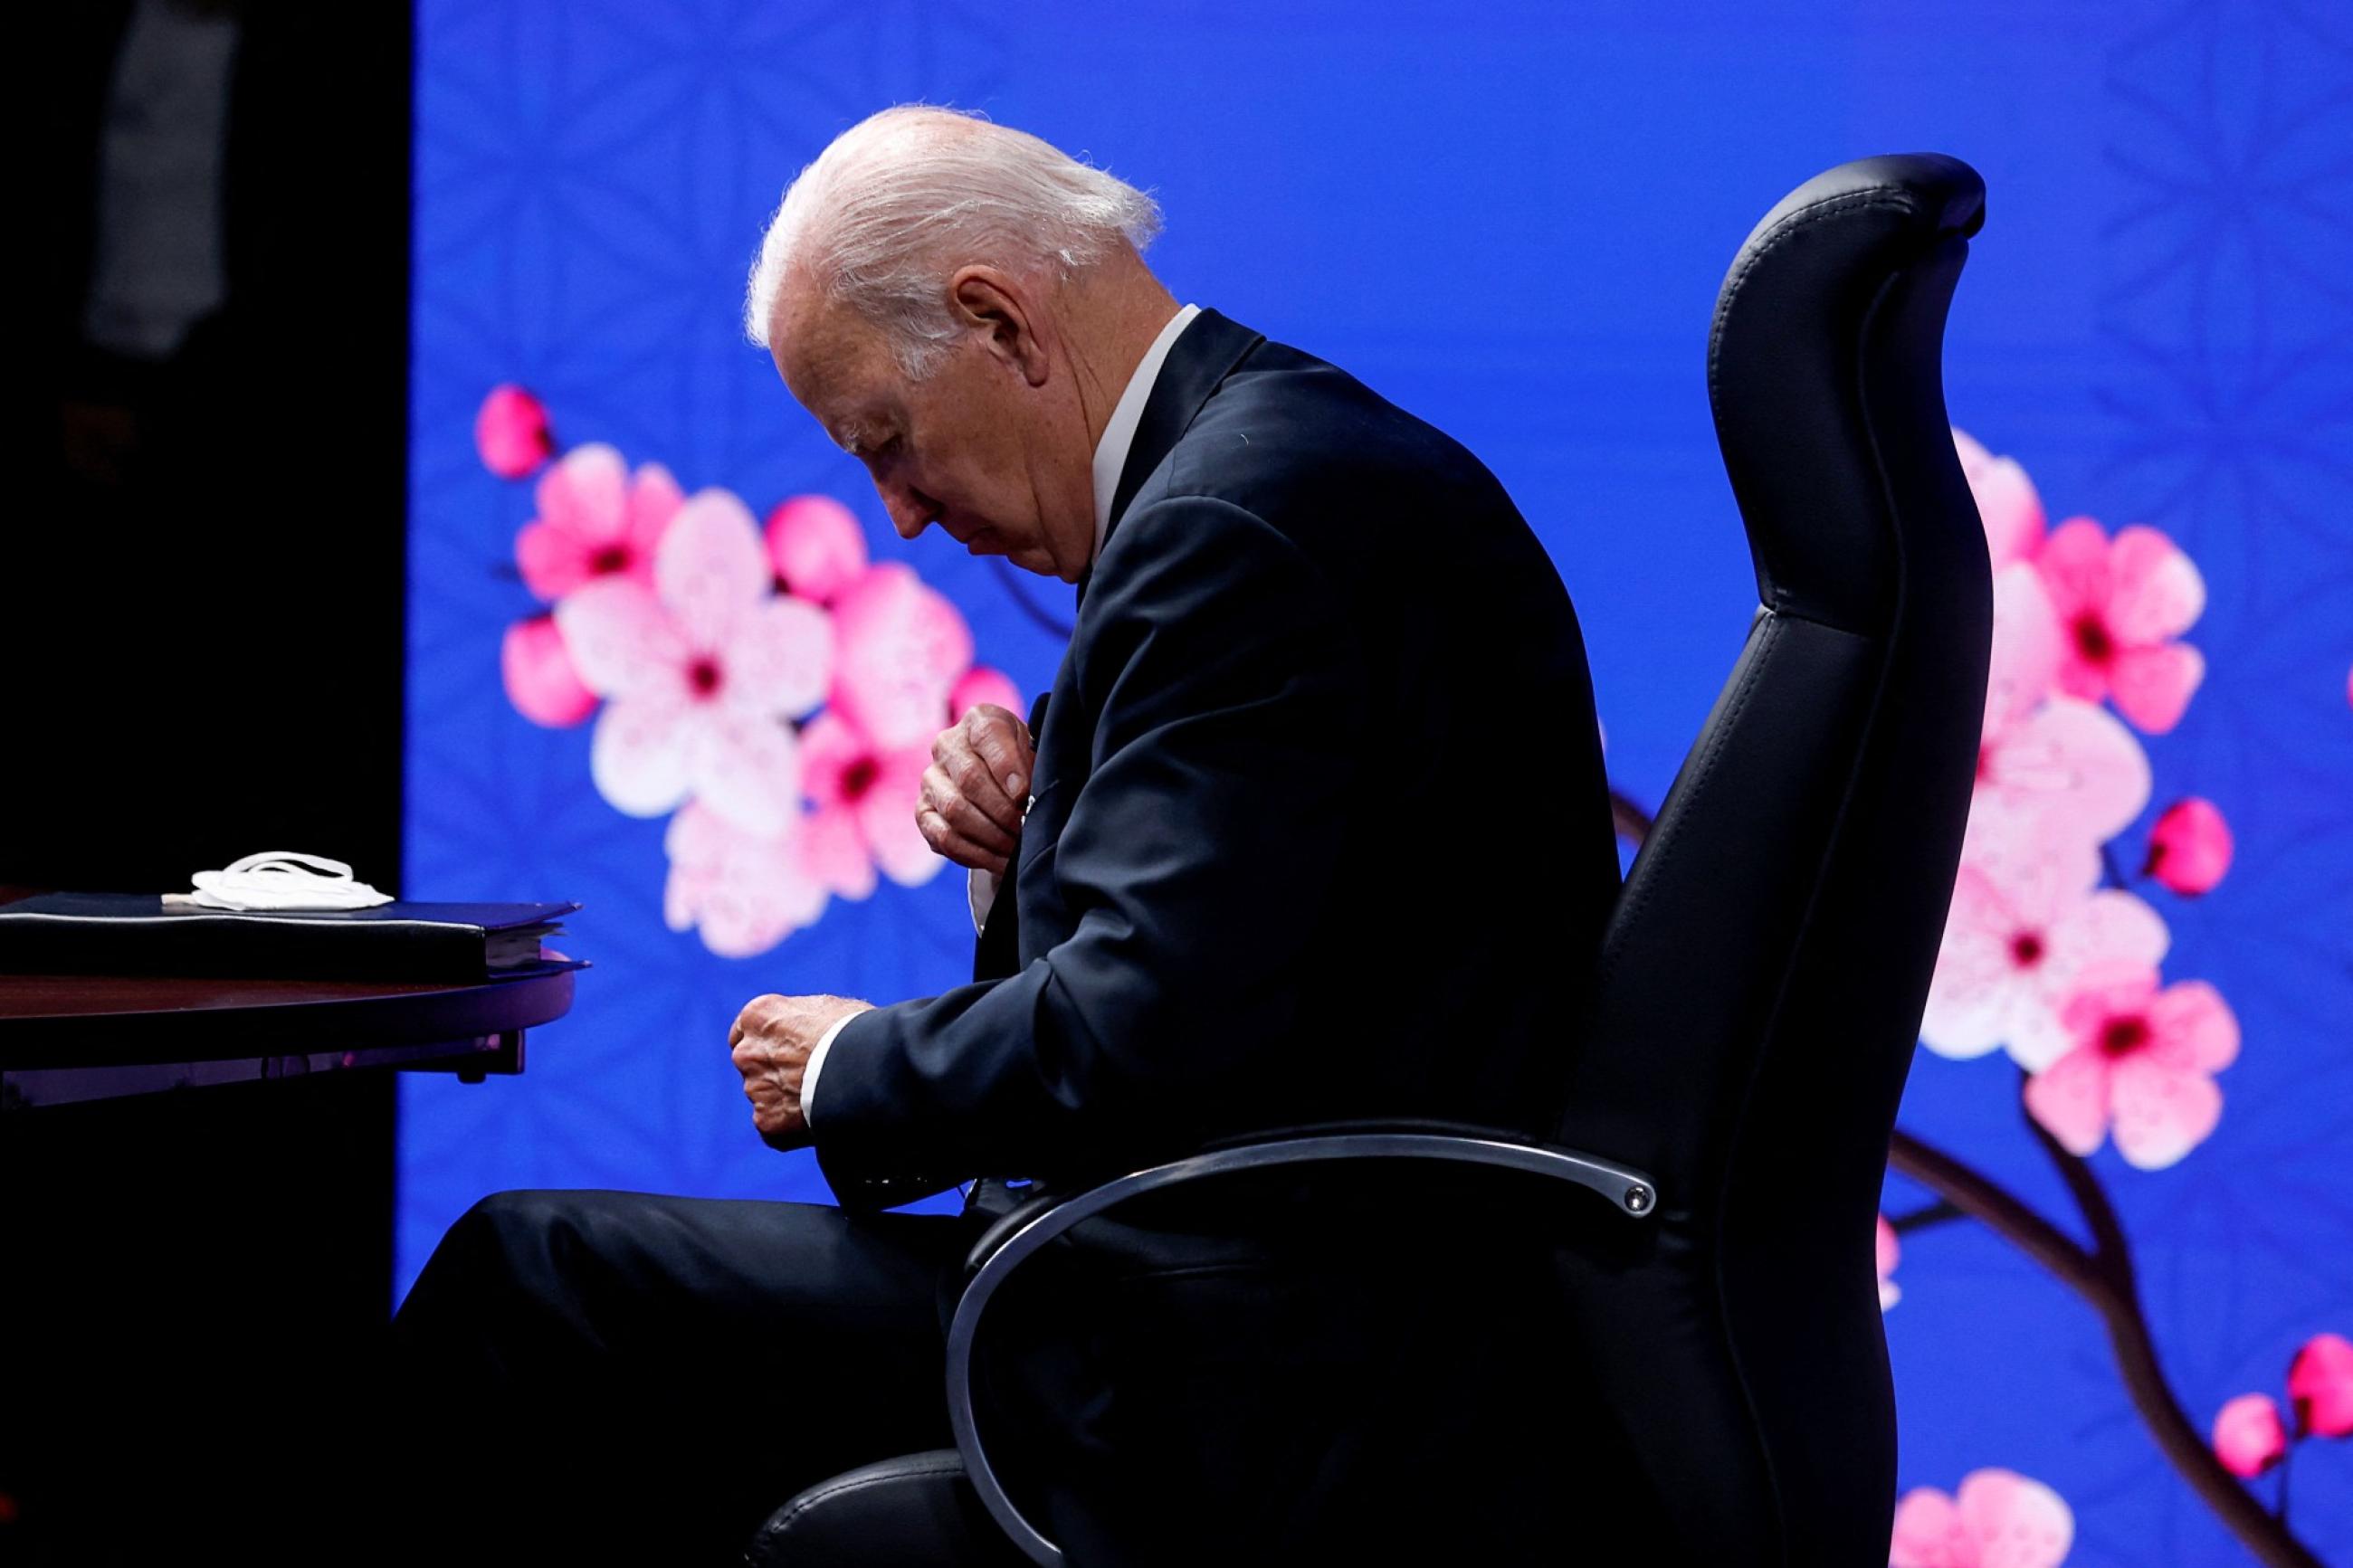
<point x="69" y="1037"/>
<point x="172" y="1256"/>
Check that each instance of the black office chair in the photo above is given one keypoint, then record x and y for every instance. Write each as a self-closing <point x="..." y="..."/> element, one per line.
<point x="1761" y="983"/>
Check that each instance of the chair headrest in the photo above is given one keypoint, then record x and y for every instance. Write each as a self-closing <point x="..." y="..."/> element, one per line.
<point x="1827" y="328"/>
<point x="1942" y="192"/>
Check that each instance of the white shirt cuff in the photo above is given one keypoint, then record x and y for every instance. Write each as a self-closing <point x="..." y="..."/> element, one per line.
<point x="817" y="1060"/>
<point x="980" y="888"/>
<point x="980" y="892"/>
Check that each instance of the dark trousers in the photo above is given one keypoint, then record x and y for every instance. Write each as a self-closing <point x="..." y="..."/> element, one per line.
<point x="601" y="1376"/>
<point x="1376" y="1375"/>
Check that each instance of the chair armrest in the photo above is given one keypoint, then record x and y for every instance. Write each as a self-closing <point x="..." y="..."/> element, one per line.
<point x="1017" y="1236"/>
<point x="914" y="1509"/>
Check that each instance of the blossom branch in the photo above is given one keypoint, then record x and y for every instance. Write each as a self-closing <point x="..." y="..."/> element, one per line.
<point x="2103" y="1276"/>
<point x="1982" y="1200"/>
<point x="1926" y="1215"/>
<point x="2262" y="1532"/>
<point x="1631" y="821"/>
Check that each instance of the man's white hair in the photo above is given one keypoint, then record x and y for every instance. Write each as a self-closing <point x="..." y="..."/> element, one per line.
<point x="904" y="198"/>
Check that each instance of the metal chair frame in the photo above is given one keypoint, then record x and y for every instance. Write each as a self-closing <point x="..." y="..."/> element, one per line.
<point x="1027" y="1229"/>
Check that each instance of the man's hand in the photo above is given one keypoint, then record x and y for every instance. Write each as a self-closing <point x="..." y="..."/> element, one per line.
<point x="975" y="791"/>
<point x="770" y="1046"/>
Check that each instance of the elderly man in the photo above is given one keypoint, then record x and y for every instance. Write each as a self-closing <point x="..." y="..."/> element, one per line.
<point x="1314" y="827"/>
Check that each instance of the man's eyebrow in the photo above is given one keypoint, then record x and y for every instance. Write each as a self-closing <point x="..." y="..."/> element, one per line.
<point x="854" y="435"/>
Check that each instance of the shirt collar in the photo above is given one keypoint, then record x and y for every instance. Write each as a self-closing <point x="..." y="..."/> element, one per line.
<point x="1111" y="451"/>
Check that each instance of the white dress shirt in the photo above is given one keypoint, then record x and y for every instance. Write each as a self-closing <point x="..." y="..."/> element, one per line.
<point x="1110" y="460"/>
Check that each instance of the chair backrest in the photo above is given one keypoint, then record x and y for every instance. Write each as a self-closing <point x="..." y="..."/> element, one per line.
<point x="1762" y="980"/>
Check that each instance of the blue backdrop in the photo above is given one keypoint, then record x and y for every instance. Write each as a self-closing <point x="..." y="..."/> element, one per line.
<point x="1514" y="228"/>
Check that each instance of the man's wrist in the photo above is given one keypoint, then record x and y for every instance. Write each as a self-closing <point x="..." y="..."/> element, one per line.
<point x="817" y="1060"/>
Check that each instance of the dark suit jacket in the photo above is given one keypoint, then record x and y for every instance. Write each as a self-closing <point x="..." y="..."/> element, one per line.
<point x="1320" y="830"/>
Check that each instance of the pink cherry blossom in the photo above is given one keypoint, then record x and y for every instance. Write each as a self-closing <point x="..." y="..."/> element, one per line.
<point x="2141" y="1066"/>
<point x="2026" y="924"/>
<point x="745" y="891"/>
<point x="816" y="547"/>
<point x="2068" y="762"/>
<point x="981" y="684"/>
<point x="2190" y="847"/>
<point x="594" y="521"/>
<point x="2007" y="504"/>
<point x="2121" y="604"/>
<point x="2052" y="758"/>
<point x="2248" y="1436"/>
<point x="510" y="433"/>
<point x="2024" y="661"/>
<point x="2320" y="1386"/>
<point x="539" y="679"/>
<point x="1888" y="1252"/>
<point x="900" y="648"/>
<point x="2001" y="1519"/>
<point x="701" y="673"/>
<point x="865" y="798"/>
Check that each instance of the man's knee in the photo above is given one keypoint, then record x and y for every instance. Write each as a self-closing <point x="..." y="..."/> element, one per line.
<point x="501" y="1245"/>
<point x="529" y="1222"/>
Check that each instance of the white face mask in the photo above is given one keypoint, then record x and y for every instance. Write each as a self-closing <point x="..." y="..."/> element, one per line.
<point x="280" y="880"/>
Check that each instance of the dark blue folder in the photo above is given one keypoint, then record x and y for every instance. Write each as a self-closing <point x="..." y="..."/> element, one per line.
<point x="135" y="933"/>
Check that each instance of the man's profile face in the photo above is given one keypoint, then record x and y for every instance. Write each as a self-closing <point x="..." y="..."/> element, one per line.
<point x="961" y="447"/>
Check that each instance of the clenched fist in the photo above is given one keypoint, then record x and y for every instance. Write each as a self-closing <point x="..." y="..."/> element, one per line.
<point x="770" y="1046"/>
<point x="976" y="788"/>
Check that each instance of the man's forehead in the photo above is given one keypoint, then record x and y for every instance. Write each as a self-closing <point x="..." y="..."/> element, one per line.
<point x="835" y="365"/>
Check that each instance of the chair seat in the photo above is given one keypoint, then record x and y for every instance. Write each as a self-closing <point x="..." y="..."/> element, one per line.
<point x="913" y="1511"/>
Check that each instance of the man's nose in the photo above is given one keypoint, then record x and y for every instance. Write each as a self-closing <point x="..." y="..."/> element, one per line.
<point x="910" y="510"/>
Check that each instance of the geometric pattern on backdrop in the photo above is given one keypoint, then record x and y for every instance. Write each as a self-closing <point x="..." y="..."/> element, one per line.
<point x="2151" y="325"/>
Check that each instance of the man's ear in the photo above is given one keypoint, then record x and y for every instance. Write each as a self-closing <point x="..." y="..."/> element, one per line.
<point x="997" y="303"/>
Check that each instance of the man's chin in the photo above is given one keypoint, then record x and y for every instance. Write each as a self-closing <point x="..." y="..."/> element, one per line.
<point x="1037" y="561"/>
